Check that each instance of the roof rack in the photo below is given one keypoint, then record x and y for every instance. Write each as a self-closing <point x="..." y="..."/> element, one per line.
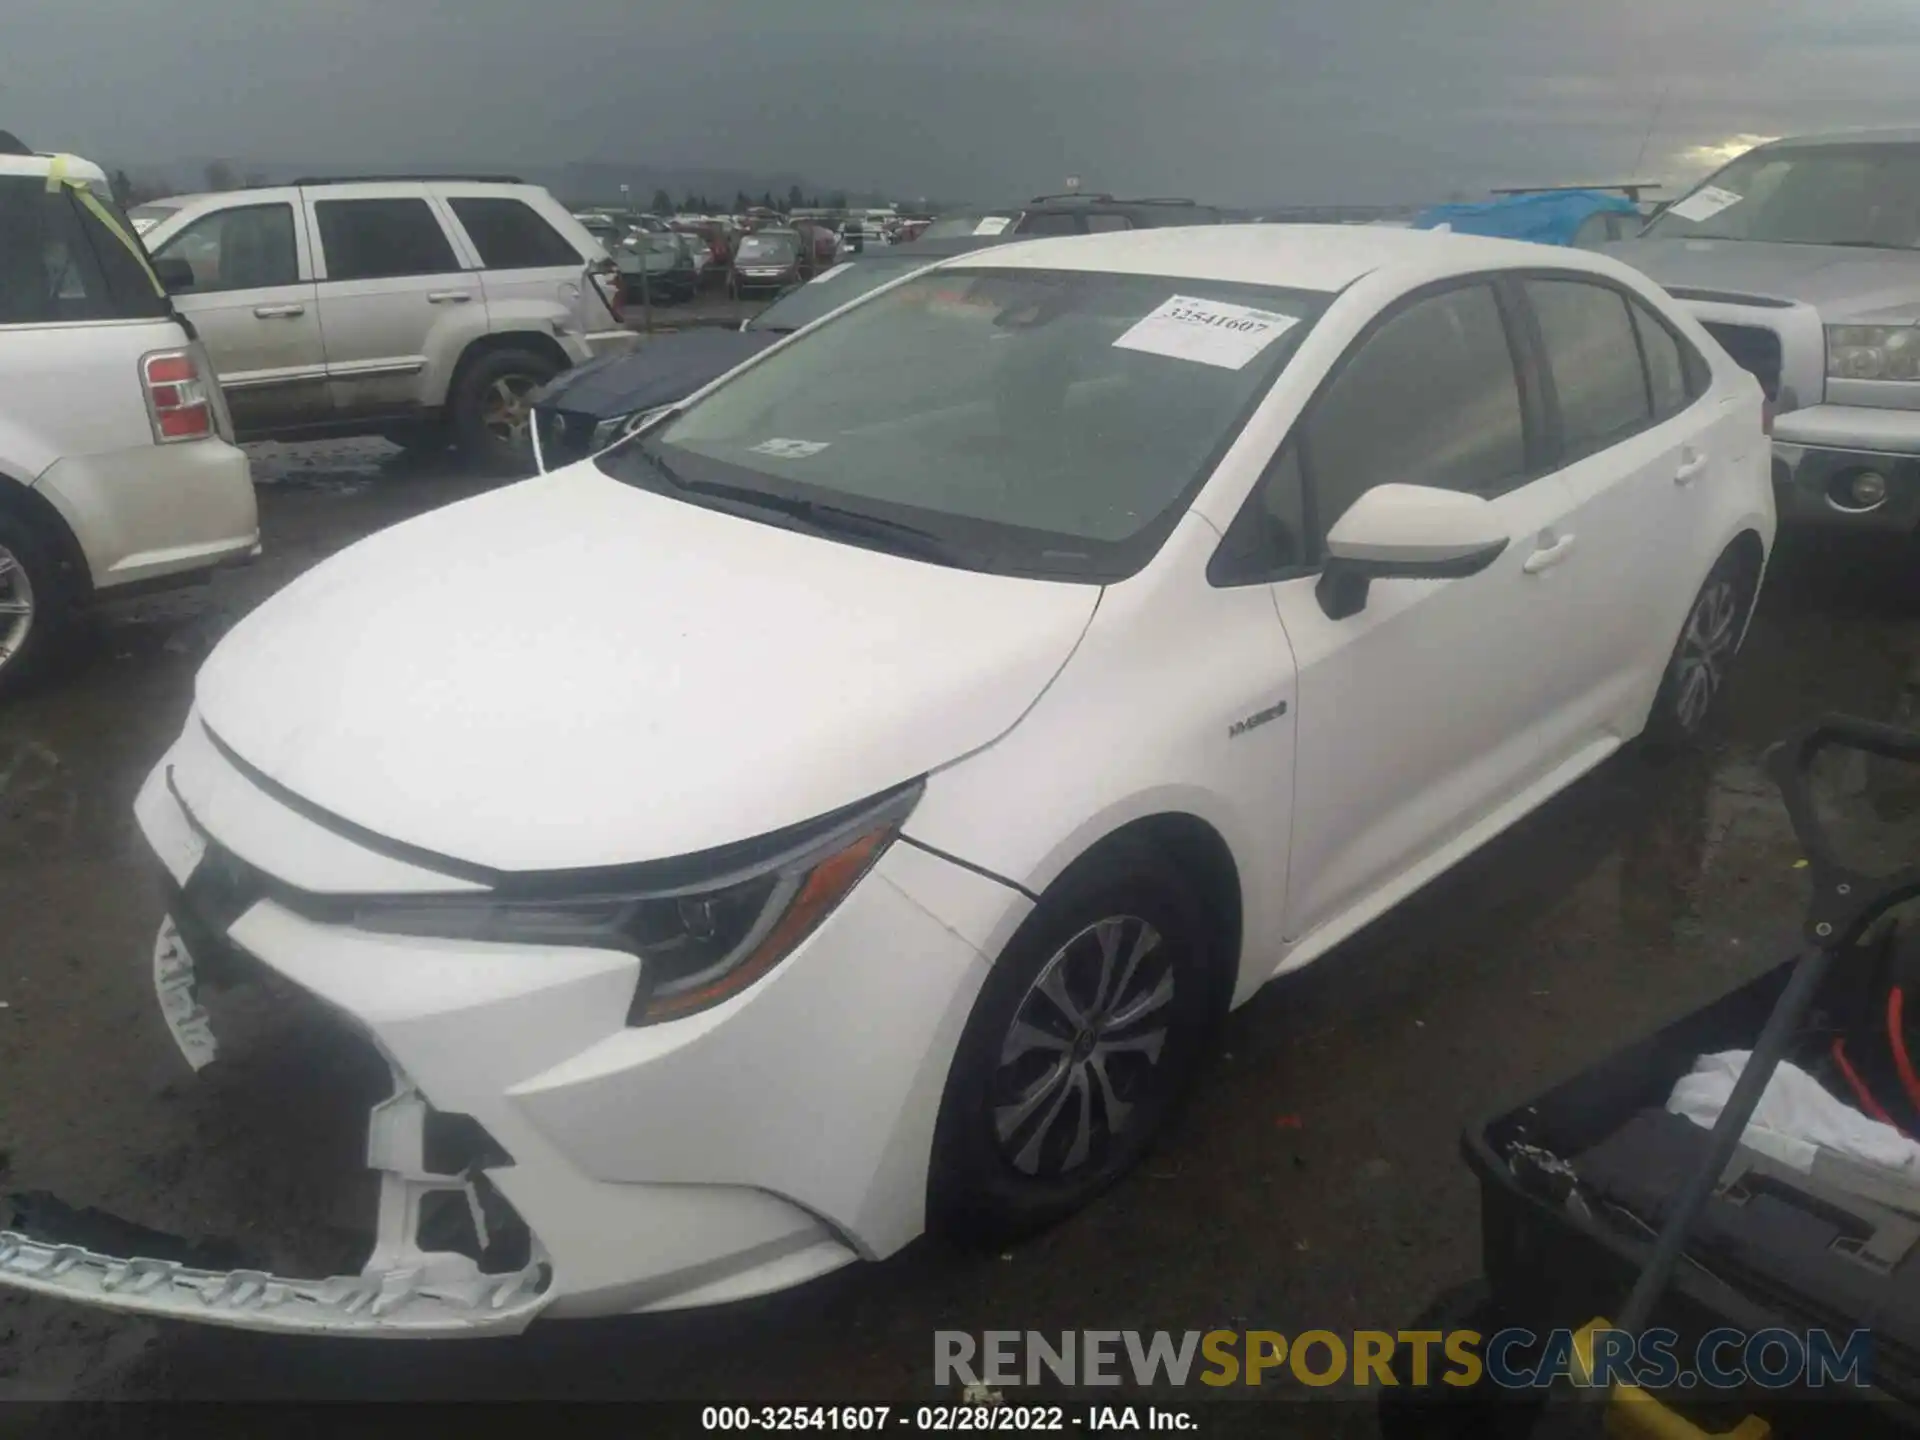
<point x="1161" y="200"/>
<point x="1630" y="188"/>
<point x="376" y="179"/>
<point x="1069" y="195"/>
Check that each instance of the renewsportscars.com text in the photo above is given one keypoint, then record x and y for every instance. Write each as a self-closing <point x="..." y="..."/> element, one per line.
<point x="1513" y="1359"/>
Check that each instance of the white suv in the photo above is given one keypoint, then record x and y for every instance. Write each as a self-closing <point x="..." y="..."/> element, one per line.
<point x="425" y="310"/>
<point x="116" y="466"/>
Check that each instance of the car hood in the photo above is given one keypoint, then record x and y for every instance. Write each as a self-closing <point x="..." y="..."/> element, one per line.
<point x="658" y="372"/>
<point x="575" y="672"/>
<point x="1841" y="282"/>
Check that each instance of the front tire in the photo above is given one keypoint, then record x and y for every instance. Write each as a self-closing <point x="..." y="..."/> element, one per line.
<point x="1696" y="671"/>
<point x="1082" y="1043"/>
<point x="493" y="413"/>
<point x="36" y="612"/>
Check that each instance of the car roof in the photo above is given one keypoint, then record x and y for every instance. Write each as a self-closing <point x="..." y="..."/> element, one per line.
<point x="1908" y="135"/>
<point x="1300" y="257"/>
<point x="77" y="168"/>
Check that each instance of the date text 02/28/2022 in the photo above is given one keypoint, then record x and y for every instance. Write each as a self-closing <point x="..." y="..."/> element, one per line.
<point x="944" y="1419"/>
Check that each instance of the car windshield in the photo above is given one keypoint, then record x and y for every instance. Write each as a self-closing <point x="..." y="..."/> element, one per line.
<point x="832" y="289"/>
<point x="1042" y="423"/>
<point x="958" y="227"/>
<point x="1860" y="195"/>
<point x="767" y="247"/>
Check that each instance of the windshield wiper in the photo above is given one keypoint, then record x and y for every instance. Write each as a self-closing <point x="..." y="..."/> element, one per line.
<point x="821" y="519"/>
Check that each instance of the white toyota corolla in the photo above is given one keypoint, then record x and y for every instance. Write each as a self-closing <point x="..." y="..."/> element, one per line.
<point x="851" y="802"/>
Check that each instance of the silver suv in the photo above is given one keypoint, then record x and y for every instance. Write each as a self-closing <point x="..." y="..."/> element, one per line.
<point x="426" y="310"/>
<point x="1802" y="257"/>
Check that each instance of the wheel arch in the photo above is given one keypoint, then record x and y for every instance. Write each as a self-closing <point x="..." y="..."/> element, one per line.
<point x="493" y="344"/>
<point x="1204" y="859"/>
<point x="19" y="499"/>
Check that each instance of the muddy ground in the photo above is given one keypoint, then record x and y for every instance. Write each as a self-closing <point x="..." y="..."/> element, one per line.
<point x="1315" y="1182"/>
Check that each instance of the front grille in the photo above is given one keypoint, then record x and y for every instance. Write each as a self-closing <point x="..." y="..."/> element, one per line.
<point x="1754" y="349"/>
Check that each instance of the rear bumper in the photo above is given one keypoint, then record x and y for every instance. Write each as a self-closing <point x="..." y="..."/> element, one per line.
<point x="1819" y="449"/>
<point x="156" y="511"/>
<point x="742" y="1150"/>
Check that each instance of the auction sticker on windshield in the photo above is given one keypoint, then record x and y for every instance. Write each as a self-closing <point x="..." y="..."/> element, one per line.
<point x="993" y="225"/>
<point x="789" y="449"/>
<point x="1207" y="332"/>
<point x="1705" y="203"/>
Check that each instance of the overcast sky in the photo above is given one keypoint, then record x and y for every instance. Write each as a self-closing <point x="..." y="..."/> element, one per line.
<point x="1235" y="101"/>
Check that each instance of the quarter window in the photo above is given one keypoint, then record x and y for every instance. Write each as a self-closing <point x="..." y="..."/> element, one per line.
<point x="510" y="235"/>
<point x="1594" y="361"/>
<point x="248" y="247"/>
<point x="376" y="239"/>
<point x="1430" y="398"/>
<point x="1666" y="367"/>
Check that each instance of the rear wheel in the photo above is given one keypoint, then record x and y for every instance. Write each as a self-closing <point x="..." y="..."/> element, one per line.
<point x="493" y="410"/>
<point x="35" y="604"/>
<point x="1697" y="669"/>
<point x="1082" y="1042"/>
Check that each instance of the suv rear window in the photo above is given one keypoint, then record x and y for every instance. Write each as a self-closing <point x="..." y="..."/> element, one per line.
<point x="510" y="235"/>
<point x="375" y="239"/>
<point x="59" y="264"/>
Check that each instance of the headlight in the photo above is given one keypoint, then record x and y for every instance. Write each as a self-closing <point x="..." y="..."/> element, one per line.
<point x="700" y="939"/>
<point x="1873" y="352"/>
<point x="610" y="432"/>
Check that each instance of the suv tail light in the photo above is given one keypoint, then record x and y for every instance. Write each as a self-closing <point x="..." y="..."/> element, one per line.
<point x="178" y="402"/>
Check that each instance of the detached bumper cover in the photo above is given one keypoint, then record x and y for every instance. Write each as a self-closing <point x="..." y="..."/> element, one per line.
<point x="397" y="1302"/>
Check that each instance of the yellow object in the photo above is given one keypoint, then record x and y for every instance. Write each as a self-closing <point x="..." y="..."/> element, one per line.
<point x="57" y="176"/>
<point x="1633" y="1414"/>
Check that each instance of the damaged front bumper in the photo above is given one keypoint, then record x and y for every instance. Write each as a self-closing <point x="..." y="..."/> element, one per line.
<point x="406" y="1286"/>
<point x="404" y="1301"/>
<point x="535" y="1155"/>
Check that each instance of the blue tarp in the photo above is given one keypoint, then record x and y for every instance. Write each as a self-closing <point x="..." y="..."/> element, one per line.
<point x="1549" y="218"/>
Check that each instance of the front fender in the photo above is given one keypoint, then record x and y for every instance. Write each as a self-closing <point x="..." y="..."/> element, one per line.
<point x="1143" y="722"/>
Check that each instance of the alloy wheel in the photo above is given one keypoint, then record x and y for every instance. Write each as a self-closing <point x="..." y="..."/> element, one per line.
<point x="16" y="605"/>
<point x="1082" y="1055"/>
<point x="1705" y="647"/>
<point x="508" y="409"/>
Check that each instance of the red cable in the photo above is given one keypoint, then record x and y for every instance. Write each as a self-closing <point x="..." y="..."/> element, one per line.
<point x="1897" y="1039"/>
<point x="1872" y="1106"/>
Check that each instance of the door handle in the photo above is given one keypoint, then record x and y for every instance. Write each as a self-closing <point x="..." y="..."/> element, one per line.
<point x="1548" y="556"/>
<point x="279" y="312"/>
<point x="449" y="297"/>
<point x="1692" y="466"/>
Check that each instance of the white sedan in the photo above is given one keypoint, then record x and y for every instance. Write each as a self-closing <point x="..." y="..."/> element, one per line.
<point x="852" y="802"/>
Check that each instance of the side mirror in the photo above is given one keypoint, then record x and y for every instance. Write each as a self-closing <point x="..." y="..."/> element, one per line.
<point x="174" y="274"/>
<point x="1406" y="532"/>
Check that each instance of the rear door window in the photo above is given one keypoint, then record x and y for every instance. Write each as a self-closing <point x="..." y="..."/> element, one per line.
<point x="511" y="235"/>
<point x="378" y="239"/>
<point x="60" y="264"/>
<point x="1594" y="361"/>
